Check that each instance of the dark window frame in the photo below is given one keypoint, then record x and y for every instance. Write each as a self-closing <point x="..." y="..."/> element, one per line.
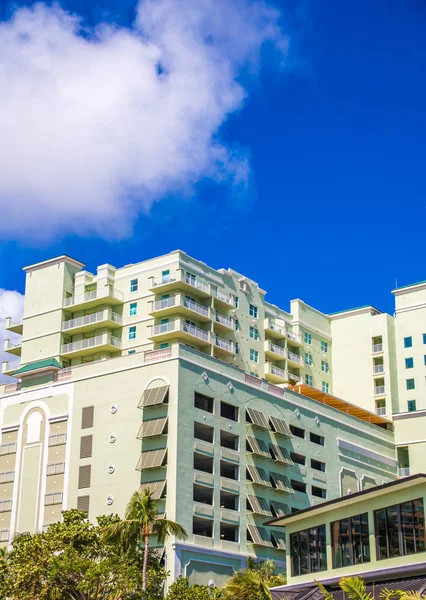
<point x="384" y="528"/>
<point x="308" y="551"/>
<point x="338" y="545"/>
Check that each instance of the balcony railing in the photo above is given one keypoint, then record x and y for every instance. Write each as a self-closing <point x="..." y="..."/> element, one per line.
<point x="379" y="389"/>
<point x="180" y="325"/>
<point x="277" y="350"/>
<point x="294" y="377"/>
<point x="223" y="344"/>
<point x="294" y="337"/>
<point x="377" y="348"/>
<point x="98" y="317"/>
<point x="9" y="345"/>
<point x="195" y="331"/>
<point x="195" y="306"/>
<point x="279" y="372"/>
<point x="379" y="368"/>
<point x="97" y="340"/>
<point x="226" y="321"/>
<point x="165" y="303"/>
<point x="13" y="322"/>
<point x="11" y="365"/>
<point x="106" y="292"/>
<point x="381" y="410"/>
<point x="274" y="327"/>
<point x="164" y="328"/>
<point x="163" y="280"/>
<point x="223" y="297"/>
<point x="294" y="357"/>
<point x="403" y="471"/>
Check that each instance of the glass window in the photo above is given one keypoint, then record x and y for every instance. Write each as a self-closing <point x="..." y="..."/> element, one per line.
<point x="237" y="348"/>
<point x="424" y="359"/>
<point x="308" y="358"/>
<point x="254" y="333"/>
<point x="237" y="325"/>
<point x="164" y="345"/>
<point x="132" y="333"/>
<point x="133" y="285"/>
<point x="408" y="342"/>
<point x="236" y="302"/>
<point x="400" y="529"/>
<point x="424" y="338"/>
<point x="307" y="338"/>
<point x="133" y="309"/>
<point x="409" y="363"/>
<point x="131" y="352"/>
<point x="410" y="384"/>
<point x="324" y="346"/>
<point x="411" y="404"/>
<point x="165" y="276"/>
<point x="254" y="355"/>
<point x="324" y="366"/>
<point x="317" y="439"/>
<point x="253" y="311"/>
<point x="308" y="379"/>
<point x="308" y="551"/>
<point x="325" y="387"/>
<point x="297" y="431"/>
<point x="350" y="542"/>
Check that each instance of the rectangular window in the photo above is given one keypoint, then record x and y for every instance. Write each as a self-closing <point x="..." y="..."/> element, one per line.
<point x="308" y="551"/>
<point x="133" y="285"/>
<point x="318" y="492"/>
<point x="325" y="387"/>
<point x="164" y="345"/>
<point x="131" y="352"/>
<point x="165" y="276"/>
<point x="297" y="431"/>
<point x="408" y="342"/>
<point x="400" y="529"/>
<point x="324" y="366"/>
<point x="253" y="311"/>
<point x="308" y="358"/>
<point x="409" y="363"/>
<point x="237" y="325"/>
<point x="350" y="541"/>
<point x="228" y="411"/>
<point x="317" y="465"/>
<point x="254" y="333"/>
<point x="410" y="384"/>
<point x="307" y="338"/>
<point x="424" y="338"/>
<point x="317" y="439"/>
<point x="298" y="458"/>
<point x="411" y="405"/>
<point x="133" y="309"/>
<point x="308" y="379"/>
<point x="424" y="359"/>
<point x="324" y="346"/>
<point x="87" y="417"/>
<point x="203" y="402"/>
<point x="236" y="302"/>
<point x="191" y="279"/>
<point x="132" y="332"/>
<point x="237" y="348"/>
<point x="254" y="355"/>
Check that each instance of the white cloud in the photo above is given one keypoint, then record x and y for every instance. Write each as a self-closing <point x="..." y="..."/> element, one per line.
<point x="97" y="125"/>
<point x="11" y="305"/>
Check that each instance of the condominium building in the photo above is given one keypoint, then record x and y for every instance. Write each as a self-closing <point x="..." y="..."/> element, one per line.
<point x="172" y="375"/>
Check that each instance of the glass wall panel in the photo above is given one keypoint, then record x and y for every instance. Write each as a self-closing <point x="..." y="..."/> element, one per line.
<point x="400" y="529"/>
<point x="350" y="541"/>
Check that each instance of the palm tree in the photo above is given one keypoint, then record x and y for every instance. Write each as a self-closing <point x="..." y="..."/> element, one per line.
<point x="354" y="588"/>
<point x="248" y="584"/>
<point x="141" y="521"/>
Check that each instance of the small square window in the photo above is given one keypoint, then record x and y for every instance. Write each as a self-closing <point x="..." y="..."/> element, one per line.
<point x="132" y="333"/>
<point x="411" y="405"/>
<point x="308" y="358"/>
<point x="133" y="285"/>
<point x="408" y="342"/>
<point x="254" y="355"/>
<point x="307" y="338"/>
<point x="325" y="387"/>
<point x="324" y="346"/>
<point x="165" y="276"/>
<point x="237" y="325"/>
<point x="424" y="338"/>
<point x="308" y="379"/>
<point x="133" y="309"/>
<point x="131" y="352"/>
<point x="236" y="302"/>
<point x="324" y="366"/>
<point x="254" y="311"/>
<point x="164" y="345"/>
<point x="254" y="333"/>
<point x="409" y="363"/>
<point x="410" y="384"/>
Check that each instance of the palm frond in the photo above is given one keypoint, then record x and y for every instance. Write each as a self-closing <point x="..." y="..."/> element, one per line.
<point x="247" y="584"/>
<point x="325" y="593"/>
<point x="355" y="588"/>
<point x="410" y="595"/>
<point x="387" y="594"/>
<point x="163" y="528"/>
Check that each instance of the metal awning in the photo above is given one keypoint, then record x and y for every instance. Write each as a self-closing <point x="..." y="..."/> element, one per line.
<point x="258" y="476"/>
<point x="152" y="427"/>
<point x="153" y="396"/>
<point x="280" y="426"/>
<point x="280" y="509"/>
<point x="281" y="455"/>
<point x="255" y="417"/>
<point x="157" y="488"/>
<point x="281" y="482"/>
<point x="259" y="535"/>
<point x="152" y="459"/>
<point x="257" y="446"/>
<point x="258" y="505"/>
<point x="279" y="538"/>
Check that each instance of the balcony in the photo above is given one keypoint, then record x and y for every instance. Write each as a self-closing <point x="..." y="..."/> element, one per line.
<point x="378" y="369"/>
<point x="225" y="323"/>
<point x="181" y="330"/>
<point x="376" y="348"/>
<point x="98" y="343"/>
<point x="14" y="325"/>
<point x="403" y="471"/>
<point x="274" y="352"/>
<point x="275" y="374"/>
<point x="13" y="347"/>
<point x="379" y="390"/>
<point x="293" y="378"/>
<point x="105" y="295"/>
<point x="294" y="339"/>
<point x="179" y="304"/>
<point x="381" y="410"/>
<point x="274" y="330"/>
<point x="223" y="347"/>
<point x="182" y="280"/>
<point x="295" y="359"/>
<point x="7" y="368"/>
<point x="222" y="300"/>
<point x="106" y="318"/>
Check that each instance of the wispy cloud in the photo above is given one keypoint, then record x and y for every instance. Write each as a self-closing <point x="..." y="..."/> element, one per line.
<point x="11" y="305"/>
<point x="98" y="124"/>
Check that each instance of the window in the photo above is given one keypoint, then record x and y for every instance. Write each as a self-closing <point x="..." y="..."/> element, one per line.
<point x="133" y="285"/>
<point x="229" y="440"/>
<point x="202" y="494"/>
<point x="400" y="529"/>
<point x="424" y="338"/>
<point x="411" y="405"/>
<point x="324" y="346"/>
<point x="228" y="470"/>
<point x="318" y="492"/>
<point x="236" y="302"/>
<point x="307" y="338"/>
<point x="132" y="332"/>
<point x="133" y="309"/>
<point x="308" y="551"/>
<point x="316" y="439"/>
<point x="297" y="431"/>
<point x="191" y="279"/>
<point x="203" y="463"/>
<point x="298" y="486"/>
<point x="424" y="359"/>
<point x="325" y="387"/>
<point x="254" y="333"/>
<point x="254" y="355"/>
<point x="324" y="366"/>
<point x="408" y="342"/>
<point x="410" y="385"/>
<point x="308" y="359"/>
<point x="409" y="363"/>
<point x="203" y="432"/>
<point x="253" y="311"/>
<point x="350" y="541"/>
<point x="237" y="348"/>
<point x="237" y="325"/>
<point x="202" y="527"/>
<point x="298" y="458"/>
<point x="228" y="411"/>
<point x="164" y="345"/>
<point x="228" y="500"/>
<point x="131" y="352"/>
<point x="229" y="532"/>
<point x="203" y="402"/>
<point x="165" y="276"/>
<point x="308" y="379"/>
<point x="317" y="465"/>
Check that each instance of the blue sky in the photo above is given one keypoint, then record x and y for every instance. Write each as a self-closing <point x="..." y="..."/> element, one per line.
<point x="334" y="205"/>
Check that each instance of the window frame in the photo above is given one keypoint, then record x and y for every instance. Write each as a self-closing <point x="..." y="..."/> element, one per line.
<point x="308" y="359"/>
<point x="325" y="366"/>
<point x="408" y="364"/>
<point x="254" y="311"/>
<point x="401" y="546"/>
<point x="313" y="556"/>
<point x="131" y="333"/>
<point x="324" y="346"/>
<point x="308" y="379"/>
<point x="254" y="333"/>
<point x="408" y="342"/>
<point x="408" y="385"/>
<point x="254" y="356"/>
<point x="133" y="306"/>
<point x="307" y="338"/>
<point x="337" y="545"/>
<point x="133" y="285"/>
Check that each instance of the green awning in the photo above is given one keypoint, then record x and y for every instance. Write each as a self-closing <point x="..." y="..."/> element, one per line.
<point x="39" y="365"/>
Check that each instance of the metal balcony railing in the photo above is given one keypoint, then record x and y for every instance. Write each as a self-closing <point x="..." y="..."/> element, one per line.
<point x="106" y="292"/>
<point x="278" y="372"/>
<point x="379" y="368"/>
<point x="223" y="297"/>
<point x="277" y="350"/>
<point x="9" y="345"/>
<point x="377" y="348"/>
<point x="224" y="344"/>
<point x="195" y="331"/>
<point x="379" y="389"/>
<point x="294" y="357"/>
<point x="294" y="336"/>
<point x="97" y="340"/>
<point x="381" y="410"/>
<point x="226" y="321"/>
<point x="403" y="471"/>
<point x="98" y="317"/>
<point x="195" y="306"/>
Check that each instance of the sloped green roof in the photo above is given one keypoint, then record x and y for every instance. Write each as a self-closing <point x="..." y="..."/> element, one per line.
<point x="39" y="364"/>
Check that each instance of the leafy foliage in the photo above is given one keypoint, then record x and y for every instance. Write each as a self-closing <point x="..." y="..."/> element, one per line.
<point x="253" y="583"/>
<point x="355" y="589"/>
<point x="182" y="590"/>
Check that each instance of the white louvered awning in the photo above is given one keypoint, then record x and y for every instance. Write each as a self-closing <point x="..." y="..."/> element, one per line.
<point x="152" y="459"/>
<point x="259" y="535"/>
<point x="157" y="488"/>
<point x="153" y="396"/>
<point x="152" y="427"/>
<point x="281" y="482"/>
<point x="258" y="505"/>
<point x="280" y="509"/>
<point x="257" y="446"/>
<point x="279" y="538"/>
<point x="255" y="417"/>
<point x="280" y="426"/>
<point x="281" y="455"/>
<point x="258" y="475"/>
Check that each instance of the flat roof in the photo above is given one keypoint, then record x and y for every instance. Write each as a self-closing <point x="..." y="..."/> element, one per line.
<point x="57" y="259"/>
<point x="319" y="508"/>
<point x="341" y="312"/>
<point x="403" y="287"/>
